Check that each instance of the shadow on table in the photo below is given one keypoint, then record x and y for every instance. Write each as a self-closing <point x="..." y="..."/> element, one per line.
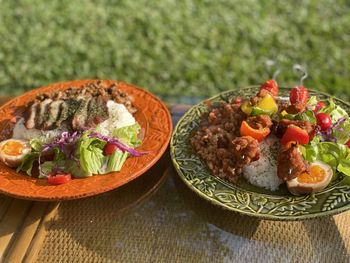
<point x="223" y="219"/>
<point x="86" y="219"/>
<point x="315" y="240"/>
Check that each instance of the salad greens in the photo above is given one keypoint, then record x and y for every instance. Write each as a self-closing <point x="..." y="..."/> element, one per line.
<point x="335" y="111"/>
<point x="334" y="154"/>
<point x="128" y="135"/>
<point x="330" y="146"/>
<point x="82" y="154"/>
<point x="307" y="115"/>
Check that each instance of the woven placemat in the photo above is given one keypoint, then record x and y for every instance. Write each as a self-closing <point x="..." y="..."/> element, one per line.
<point x="174" y="225"/>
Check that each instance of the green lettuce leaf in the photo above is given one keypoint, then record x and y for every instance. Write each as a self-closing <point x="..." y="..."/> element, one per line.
<point x="27" y="163"/>
<point x="312" y="102"/>
<point x="128" y="135"/>
<point x="307" y="115"/>
<point x="116" y="161"/>
<point x="335" y="111"/>
<point x="334" y="154"/>
<point x="68" y="166"/>
<point x="36" y="144"/>
<point x="90" y="154"/>
<point x="341" y="134"/>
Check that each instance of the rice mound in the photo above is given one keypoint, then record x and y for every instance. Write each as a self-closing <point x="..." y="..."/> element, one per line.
<point x="263" y="172"/>
<point x="119" y="117"/>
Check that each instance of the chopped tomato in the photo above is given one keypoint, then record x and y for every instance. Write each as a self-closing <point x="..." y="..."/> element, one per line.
<point x="259" y="134"/>
<point x="324" y="121"/>
<point x="295" y="134"/>
<point x="319" y="105"/>
<point x="57" y="179"/>
<point x="109" y="149"/>
<point x="299" y="94"/>
<point x="348" y="143"/>
<point x="271" y="86"/>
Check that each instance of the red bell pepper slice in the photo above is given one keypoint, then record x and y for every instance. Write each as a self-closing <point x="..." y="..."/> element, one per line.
<point x="295" y="134"/>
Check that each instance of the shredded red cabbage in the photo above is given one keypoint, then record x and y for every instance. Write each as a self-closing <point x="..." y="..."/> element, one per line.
<point x="66" y="142"/>
<point x="117" y="143"/>
<point x="327" y="136"/>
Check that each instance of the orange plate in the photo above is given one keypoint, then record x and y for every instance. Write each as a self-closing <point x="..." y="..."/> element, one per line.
<point x="152" y="115"/>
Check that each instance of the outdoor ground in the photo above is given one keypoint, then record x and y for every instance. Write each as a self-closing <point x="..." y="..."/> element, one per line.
<point x="174" y="47"/>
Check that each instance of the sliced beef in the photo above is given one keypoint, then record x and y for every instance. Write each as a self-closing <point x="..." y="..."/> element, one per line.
<point x="98" y="112"/>
<point x="30" y="115"/>
<point x="41" y="113"/>
<point x="291" y="163"/>
<point x="63" y="114"/>
<point x="80" y="116"/>
<point x="52" y="115"/>
<point x="83" y="107"/>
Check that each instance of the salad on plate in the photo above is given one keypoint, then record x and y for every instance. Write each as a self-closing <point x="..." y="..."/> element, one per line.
<point x="75" y="133"/>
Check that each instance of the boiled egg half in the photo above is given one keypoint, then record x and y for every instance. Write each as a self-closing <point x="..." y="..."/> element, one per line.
<point x="317" y="179"/>
<point x="12" y="151"/>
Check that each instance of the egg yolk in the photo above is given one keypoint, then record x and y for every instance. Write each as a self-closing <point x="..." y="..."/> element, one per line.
<point x="316" y="175"/>
<point x="12" y="148"/>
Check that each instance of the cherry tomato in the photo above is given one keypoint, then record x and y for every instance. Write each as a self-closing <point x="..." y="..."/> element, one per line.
<point x="324" y="121"/>
<point x="319" y="105"/>
<point x="56" y="179"/>
<point x="295" y="134"/>
<point x="348" y="143"/>
<point x="271" y="86"/>
<point x="109" y="149"/>
<point x="299" y="94"/>
<point x="259" y="134"/>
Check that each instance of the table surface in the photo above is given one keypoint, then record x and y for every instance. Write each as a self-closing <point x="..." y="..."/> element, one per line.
<point x="156" y="218"/>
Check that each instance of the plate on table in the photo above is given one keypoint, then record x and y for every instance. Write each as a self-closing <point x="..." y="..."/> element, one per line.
<point x="243" y="197"/>
<point x="152" y="115"/>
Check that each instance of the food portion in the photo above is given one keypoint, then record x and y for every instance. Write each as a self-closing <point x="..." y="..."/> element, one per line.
<point x="78" y="132"/>
<point x="270" y="140"/>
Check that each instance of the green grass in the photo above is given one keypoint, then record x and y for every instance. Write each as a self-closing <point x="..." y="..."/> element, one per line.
<point x="174" y="47"/>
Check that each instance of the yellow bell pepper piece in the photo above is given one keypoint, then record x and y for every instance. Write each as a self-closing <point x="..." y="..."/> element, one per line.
<point x="247" y="108"/>
<point x="268" y="103"/>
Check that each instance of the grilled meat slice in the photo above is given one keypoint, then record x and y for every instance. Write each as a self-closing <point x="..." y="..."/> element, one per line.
<point x="81" y="115"/>
<point x="83" y="107"/>
<point x="63" y="114"/>
<point x="30" y="115"/>
<point x="52" y="115"/>
<point x="98" y="112"/>
<point x="41" y="113"/>
<point x="291" y="163"/>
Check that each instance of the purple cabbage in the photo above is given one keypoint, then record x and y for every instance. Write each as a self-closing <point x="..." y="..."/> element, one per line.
<point x="117" y="143"/>
<point x="328" y="135"/>
<point x="66" y="142"/>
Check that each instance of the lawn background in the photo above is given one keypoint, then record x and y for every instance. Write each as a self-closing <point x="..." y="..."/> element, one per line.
<point x="174" y="48"/>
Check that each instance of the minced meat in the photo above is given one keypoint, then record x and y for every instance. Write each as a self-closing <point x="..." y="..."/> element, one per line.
<point x="218" y="141"/>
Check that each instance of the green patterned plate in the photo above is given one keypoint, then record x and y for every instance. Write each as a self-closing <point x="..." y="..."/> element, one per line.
<point x="243" y="197"/>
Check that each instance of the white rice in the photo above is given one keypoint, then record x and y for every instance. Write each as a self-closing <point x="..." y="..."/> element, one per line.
<point x="119" y="117"/>
<point x="263" y="173"/>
